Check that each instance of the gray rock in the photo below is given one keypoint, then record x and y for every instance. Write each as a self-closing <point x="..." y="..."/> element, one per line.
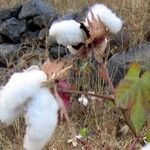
<point x="119" y="63"/>
<point x="35" y="8"/>
<point x="15" y="10"/>
<point x="5" y="14"/>
<point x="13" y="29"/>
<point x="120" y="40"/>
<point x="1" y="39"/>
<point x="7" y="50"/>
<point x="57" y="51"/>
<point x="78" y="16"/>
<point x="42" y="21"/>
<point x="30" y="38"/>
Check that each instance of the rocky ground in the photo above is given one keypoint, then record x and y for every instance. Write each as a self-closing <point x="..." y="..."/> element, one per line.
<point x="24" y="41"/>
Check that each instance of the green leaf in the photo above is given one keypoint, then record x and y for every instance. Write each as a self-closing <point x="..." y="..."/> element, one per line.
<point x="148" y="137"/>
<point x="133" y="71"/>
<point x="132" y="96"/>
<point x="109" y="104"/>
<point x="84" y="132"/>
<point x="138" y="115"/>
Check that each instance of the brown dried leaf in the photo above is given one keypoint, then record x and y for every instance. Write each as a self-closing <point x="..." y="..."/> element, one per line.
<point x="52" y="67"/>
<point x="56" y="70"/>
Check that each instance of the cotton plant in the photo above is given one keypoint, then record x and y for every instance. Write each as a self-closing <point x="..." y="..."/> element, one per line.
<point x="41" y="119"/>
<point x="80" y="37"/>
<point x="102" y="13"/>
<point x="28" y="93"/>
<point x="18" y="91"/>
<point x="24" y="94"/>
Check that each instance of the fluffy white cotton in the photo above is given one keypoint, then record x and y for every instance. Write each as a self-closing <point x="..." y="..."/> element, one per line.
<point x="72" y="50"/>
<point x="41" y="120"/>
<point x="66" y="32"/>
<point x="15" y="94"/>
<point x="112" y="22"/>
<point x="146" y="147"/>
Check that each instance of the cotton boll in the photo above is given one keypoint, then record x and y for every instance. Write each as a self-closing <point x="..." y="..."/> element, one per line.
<point x="1" y="91"/>
<point x="33" y="67"/>
<point x="19" y="89"/>
<point x="41" y="120"/>
<point x="66" y="32"/>
<point x="146" y="147"/>
<point x="110" y="20"/>
<point x="72" y="50"/>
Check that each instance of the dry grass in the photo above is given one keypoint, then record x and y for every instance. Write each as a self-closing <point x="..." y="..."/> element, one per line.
<point x="103" y="121"/>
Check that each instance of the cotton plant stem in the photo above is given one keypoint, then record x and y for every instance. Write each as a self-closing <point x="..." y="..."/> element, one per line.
<point x="107" y="97"/>
<point x="133" y="145"/>
<point x="63" y="111"/>
<point x="104" y="68"/>
<point x="86" y="145"/>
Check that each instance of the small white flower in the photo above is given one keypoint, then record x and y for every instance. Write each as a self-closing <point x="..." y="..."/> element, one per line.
<point x="73" y="141"/>
<point x="83" y="99"/>
<point x="78" y="136"/>
<point x="80" y="99"/>
<point x="92" y="97"/>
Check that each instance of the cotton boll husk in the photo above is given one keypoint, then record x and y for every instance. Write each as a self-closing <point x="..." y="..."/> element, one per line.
<point x="146" y="147"/>
<point x="15" y="94"/>
<point x="110" y="20"/>
<point x="66" y="32"/>
<point x="41" y="120"/>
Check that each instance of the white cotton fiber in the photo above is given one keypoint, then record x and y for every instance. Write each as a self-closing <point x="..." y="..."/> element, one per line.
<point x="146" y="147"/>
<point x="41" y="120"/>
<point x="111" y="21"/>
<point x="66" y="32"/>
<point x="72" y="50"/>
<point x="19" y="89"/>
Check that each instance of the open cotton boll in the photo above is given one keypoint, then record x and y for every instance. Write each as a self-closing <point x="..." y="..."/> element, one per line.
<point x="146" y="147"/>
<point x="72" y="50"/>
<point x="110" y="20"/>
<point x="1" y="91"/>
<point x="19" y="89"/>
<point x="66" y="32"/>
<point x="41" y="119"/>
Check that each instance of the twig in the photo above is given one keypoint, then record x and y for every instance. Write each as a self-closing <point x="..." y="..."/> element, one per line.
<point x="104" y="68"/>
<point x="110" y="98"/>
<point x="133" y="145"/>
<point x="86" y="145"/>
